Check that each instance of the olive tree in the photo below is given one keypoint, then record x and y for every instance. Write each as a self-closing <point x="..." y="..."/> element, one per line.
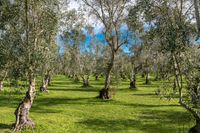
<point x="173" y="26"/>
<point x="111" y="14"/>
<point x="28" y="31"/>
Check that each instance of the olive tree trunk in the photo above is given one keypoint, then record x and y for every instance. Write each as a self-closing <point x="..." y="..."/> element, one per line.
<point x="22" y="111"/>
<point x="44" y="85"/>
<point x="1" y="85"/>
<point x="105" y="92"/>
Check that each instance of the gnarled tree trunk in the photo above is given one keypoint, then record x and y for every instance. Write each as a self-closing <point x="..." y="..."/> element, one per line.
<point x="22" y="111"/>
<point x="105" y="92"/>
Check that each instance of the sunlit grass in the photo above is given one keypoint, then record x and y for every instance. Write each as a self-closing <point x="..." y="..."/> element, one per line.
<point x="70" y="108"/>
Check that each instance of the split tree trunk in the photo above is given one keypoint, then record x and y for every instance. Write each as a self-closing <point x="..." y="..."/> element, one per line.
<point x="22" y="111"/>
<point x="105" y="92"/>
<point x="1" y="85"/>
<point x="86" y="82"/>
<point x="45" y="82"/>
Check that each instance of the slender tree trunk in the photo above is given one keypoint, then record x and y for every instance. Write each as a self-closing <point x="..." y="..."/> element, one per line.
<point x="22" y="111"/>
<point x="196" y="6"/>
<point x="49" y="80"/>
<point x="147" y="81"/>
<point x="133" y="80"/>
<point x="179" y="84"/>
<point x="105" y="92"/>
<point x="1" y="85"/>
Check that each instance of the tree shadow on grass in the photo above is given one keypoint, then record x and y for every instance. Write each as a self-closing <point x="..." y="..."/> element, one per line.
<point x="74" y="90"/>
<point x="53" y="101"/>
<point x="5" y="126"/>
<point x="145" y="94"/>
<point x="158" y="122"/>
<point x="9" y="101"/>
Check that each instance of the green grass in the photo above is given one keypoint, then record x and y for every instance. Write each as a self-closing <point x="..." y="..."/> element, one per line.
<point x="68" y="108"/>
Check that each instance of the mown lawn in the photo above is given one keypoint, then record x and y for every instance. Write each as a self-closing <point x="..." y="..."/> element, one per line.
<point x="69" y="108"/>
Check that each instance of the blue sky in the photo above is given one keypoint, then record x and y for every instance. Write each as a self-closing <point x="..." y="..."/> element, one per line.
<point x="99" y="36"/>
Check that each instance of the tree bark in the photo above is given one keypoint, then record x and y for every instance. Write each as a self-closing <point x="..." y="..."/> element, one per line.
<point x="105" y="92"/>
<point x="22" y="111"/>
<point x="1" y="85"/>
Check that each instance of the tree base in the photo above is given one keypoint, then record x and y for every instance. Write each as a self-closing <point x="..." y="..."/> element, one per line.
<point x="85" y="85"/>
<point x="132" y="85"/>
<point x="148" y="83"/>
<point x="43" y="89"/>
<point x="28" y="124"/>
<point x="104" y="94"/>
<point x="195" y="129"/>
<point x="22" y="118"/>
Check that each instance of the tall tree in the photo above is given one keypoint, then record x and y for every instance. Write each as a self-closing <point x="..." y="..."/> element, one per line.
<point x="176" y="30"/>
<point x="28" y="30"/>
<point x="112" y="15"/>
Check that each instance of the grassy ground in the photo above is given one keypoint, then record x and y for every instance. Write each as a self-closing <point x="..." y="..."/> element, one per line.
<point x="68" y="108"/>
